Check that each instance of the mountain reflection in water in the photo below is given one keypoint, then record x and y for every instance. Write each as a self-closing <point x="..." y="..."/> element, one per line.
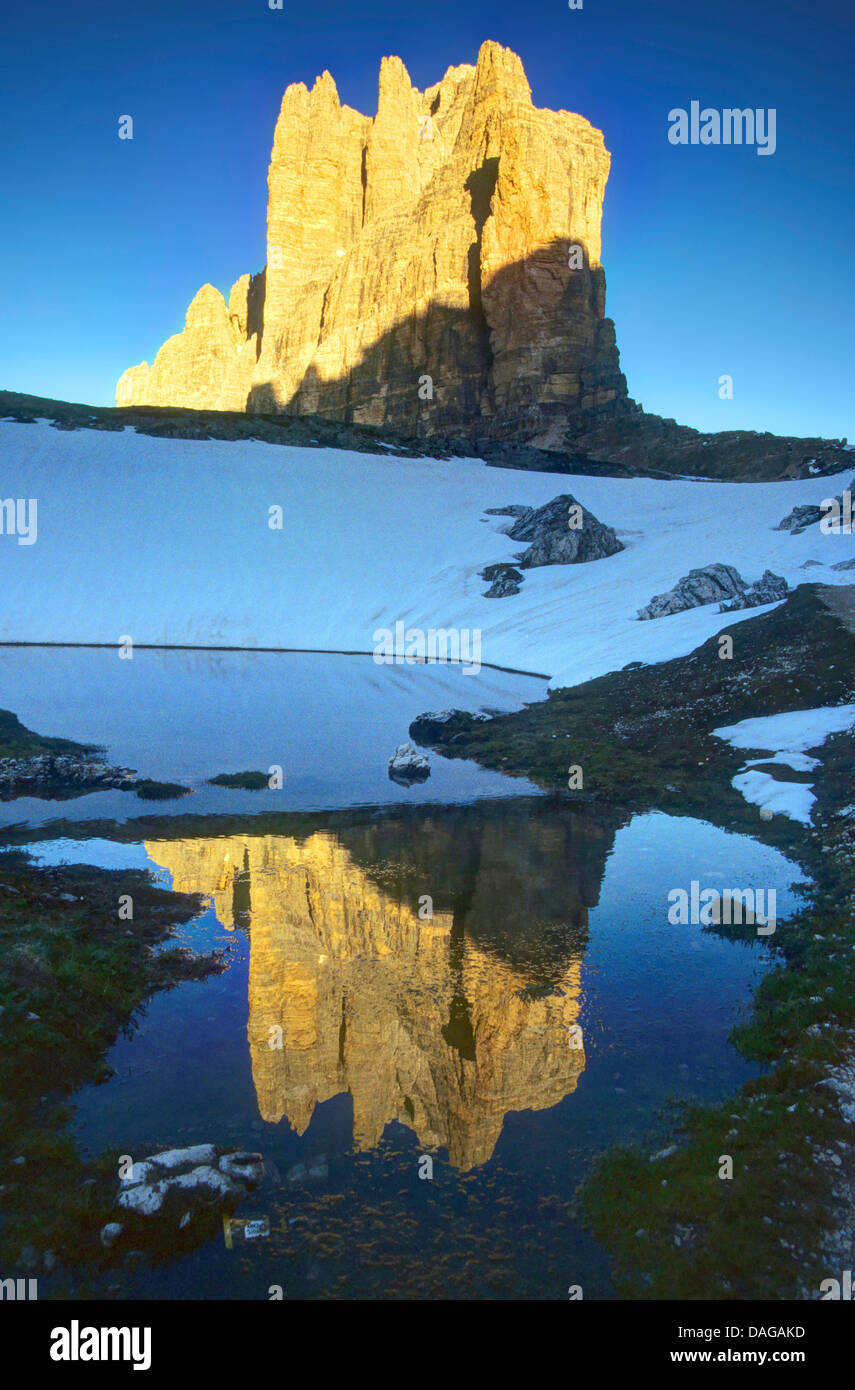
<point x="444" y="1022"/>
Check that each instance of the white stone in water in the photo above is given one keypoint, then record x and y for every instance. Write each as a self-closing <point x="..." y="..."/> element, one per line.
<point x="110" y="1233"/>
<point x="140" y="1172"/>
<point x="245" y="1167"/>
<point x="406" y="756"/>
<point x="203" y="1180"/>
<point x="179" y="1158"/>
<point x="146" y="1199"/>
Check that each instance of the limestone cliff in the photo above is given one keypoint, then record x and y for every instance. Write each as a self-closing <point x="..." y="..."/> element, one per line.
<point x="434" y="269"/>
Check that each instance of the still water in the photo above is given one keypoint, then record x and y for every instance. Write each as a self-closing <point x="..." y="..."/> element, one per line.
<point x="488" y="981"/>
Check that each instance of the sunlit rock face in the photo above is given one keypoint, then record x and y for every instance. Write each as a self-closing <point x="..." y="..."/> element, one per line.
<point x="434" y="240"/>
<point x="421" y="1021"/>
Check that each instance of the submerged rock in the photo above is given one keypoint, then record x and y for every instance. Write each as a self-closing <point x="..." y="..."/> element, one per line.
<point x="408" y="765"/>
<point x="715" y="583"/>
<point x="316" y="1170"/>
<point x="110" y="1233"/>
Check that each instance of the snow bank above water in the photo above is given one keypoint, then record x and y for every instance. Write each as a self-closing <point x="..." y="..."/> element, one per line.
<point x="168" y="541"/>
<point x="789" y="735"/>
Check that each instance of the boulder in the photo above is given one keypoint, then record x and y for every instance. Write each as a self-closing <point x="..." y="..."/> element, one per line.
<point x="176" y="1183"/>
<point x="181" y="1158"/>
<point x="715" y="583"/>
<point x="801" y="517"/>
<point x="770" y="588"/>
<point x="562" y="532"/>
<point x="408" y="765"/>
<point x="503" y="580"/>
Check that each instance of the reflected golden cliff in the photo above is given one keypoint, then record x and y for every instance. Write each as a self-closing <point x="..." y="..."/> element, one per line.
<point x="352" y="988"/>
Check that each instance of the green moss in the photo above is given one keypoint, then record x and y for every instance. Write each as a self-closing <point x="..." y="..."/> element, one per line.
<point x="250" y="781"/>
<point x="16" y="741"/>
<point x="72" y="976"/>
<point x="149" y="790"/>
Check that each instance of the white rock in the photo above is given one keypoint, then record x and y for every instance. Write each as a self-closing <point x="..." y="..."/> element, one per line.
<point x="178" y="1158"/>
<point x="145" y="1199"/>
<point x="244" y="1167"/>
<point x="110" y="1233"/>
<point x="407" y="758"/>
<point x="204" y="1180"/>
<point x="140" y="1172"/>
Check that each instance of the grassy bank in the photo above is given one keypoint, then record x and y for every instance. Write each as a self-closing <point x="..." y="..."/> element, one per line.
<point x="73" y="975"/>
<point x="16" y="741"/>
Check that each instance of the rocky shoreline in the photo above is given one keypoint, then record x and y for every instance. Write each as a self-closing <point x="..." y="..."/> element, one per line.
<point x="60" y="775"/>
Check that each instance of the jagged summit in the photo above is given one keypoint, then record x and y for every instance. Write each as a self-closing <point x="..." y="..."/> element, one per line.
<point x="419" y="268"/>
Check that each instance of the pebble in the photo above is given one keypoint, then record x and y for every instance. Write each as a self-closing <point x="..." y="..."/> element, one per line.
<point x="110" y="1233"/>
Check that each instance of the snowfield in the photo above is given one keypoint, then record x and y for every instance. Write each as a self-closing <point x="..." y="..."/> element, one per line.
<point x="167" y="541"/>
<point x="789" y="736"/>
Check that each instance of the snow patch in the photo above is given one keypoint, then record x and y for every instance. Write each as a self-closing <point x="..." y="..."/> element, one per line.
<point x="788" y="736"/>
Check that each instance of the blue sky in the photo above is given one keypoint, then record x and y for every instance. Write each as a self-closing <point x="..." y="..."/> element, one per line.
<point x="717" y="260"/>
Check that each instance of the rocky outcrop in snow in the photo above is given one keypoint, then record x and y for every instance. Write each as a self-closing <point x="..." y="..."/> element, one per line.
<point x="562" y="532"/>
<point x="769" y="588"/>
<point x="800" y="518"/>
<point x="715" y="583"/>
<point x="503" y="580"/>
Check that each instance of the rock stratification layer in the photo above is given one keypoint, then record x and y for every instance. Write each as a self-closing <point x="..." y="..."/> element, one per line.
<point x="433" y="269"/>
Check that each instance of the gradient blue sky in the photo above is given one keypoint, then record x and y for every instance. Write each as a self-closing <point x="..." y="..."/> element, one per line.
<point x="717" y="259"/>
